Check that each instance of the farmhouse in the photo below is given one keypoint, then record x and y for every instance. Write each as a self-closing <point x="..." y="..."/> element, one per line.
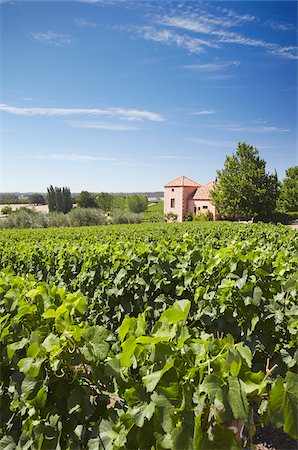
<point x="182" y="196"/>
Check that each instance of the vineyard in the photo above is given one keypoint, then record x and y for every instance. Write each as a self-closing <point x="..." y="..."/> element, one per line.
<point x="151" y="336"/>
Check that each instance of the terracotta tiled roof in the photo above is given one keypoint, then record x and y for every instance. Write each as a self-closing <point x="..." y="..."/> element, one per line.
<point x="203" y="192"/>
<point x="182" y="181"/>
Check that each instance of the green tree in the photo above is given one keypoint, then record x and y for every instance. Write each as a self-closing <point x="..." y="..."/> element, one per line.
<point x="51" y="199"/>
<point x="86" y="200"/>
<point x="118" y="203"/>
<point x="104" y="201"/>
<point x="244" y="189"/>
<point x="59" y="199"/>
<point x="137" y="203"/>
<point x="66" y="200"/>
<point x="288" y="198"/>
<point x="36" y="199"/>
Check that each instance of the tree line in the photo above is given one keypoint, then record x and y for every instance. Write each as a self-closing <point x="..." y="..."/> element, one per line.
<point x="110" y="202"/>
<point x="61" y="200"/>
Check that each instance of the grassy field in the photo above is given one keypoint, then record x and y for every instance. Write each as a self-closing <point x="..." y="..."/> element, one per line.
<point x="154" y="212"/>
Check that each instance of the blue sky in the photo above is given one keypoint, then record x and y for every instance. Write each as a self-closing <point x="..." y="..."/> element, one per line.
<point x="123" y="96"/>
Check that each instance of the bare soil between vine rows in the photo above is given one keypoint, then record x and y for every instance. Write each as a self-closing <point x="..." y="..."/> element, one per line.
<point x="268" y="438"/>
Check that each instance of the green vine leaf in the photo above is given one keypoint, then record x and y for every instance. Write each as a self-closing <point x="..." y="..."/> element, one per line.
<point x="283" y="404"/>
<point x="238" y="398"/>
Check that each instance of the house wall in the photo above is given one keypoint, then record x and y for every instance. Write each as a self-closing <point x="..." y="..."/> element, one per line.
<point x="187" y="192"/>
<point x="180" y="195"/>
<point x="175" y="193"/>
<point x="192" y="204"/>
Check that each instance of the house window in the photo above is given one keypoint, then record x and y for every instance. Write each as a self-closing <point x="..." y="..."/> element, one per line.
<point x="195" y="209"/>
<point x="205" y="207"/>
<point x="199" y="208"/>
<point x="172" y="203"/>
<point x="172" y="189"/>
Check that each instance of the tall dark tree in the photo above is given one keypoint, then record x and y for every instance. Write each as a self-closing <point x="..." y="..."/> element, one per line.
<point x="244" y="189"/>
<point x="59" y="199"/>
<point x="288" y="199"/>
<point x="51" y="199"/>
<point x="66" y="200"/>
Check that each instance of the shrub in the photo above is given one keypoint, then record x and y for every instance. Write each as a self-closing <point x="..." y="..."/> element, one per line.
<point x="171" y="217"/>
<point x="125" y="217"/>
<point x="188" y="217"/>
<point x="6" y="210"/>
<point x="277" y="217"/>
<point x="25" y="218"/>
<point x="85" y="216"/>
<point x="57" y="219"/>
<point x="203" y="217"/>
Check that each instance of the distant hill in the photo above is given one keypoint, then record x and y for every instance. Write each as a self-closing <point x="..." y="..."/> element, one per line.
<point x="156" y="194"/>
<point x="24" y="195"/>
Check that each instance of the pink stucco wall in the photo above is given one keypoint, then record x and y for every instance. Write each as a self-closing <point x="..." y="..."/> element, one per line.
<point x="175" y="193"/>
<point x="180" y="194"/>
<point x="199" y="204"/>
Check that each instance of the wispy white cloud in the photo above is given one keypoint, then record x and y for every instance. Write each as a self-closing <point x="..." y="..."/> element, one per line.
<point x="51" y="38"/>
<point x="103" y="126"/>
<point x="203" y="112"/>
<point x="221" y="143"/>
<point x="260" y="121"/>
<point x="73" y="157"/>
<point x="222" y="76"/>
<point x="211" y="142"/>
<point x="118" y="113"/>
<point x="80" y="22"/>
<point x="289" y="52"/>
<point x="204" y="25"/>
<point x="280" y="26"/>
<point x="258" y="129"/>
<point x="27" y="99"/>
<point x="217" y="29"/>
<point x="212" y="66"/>
<point x="167" y="157"/>
<point x="253" y="129"/>
<point x="232" y="19"/>
<point x="201" y="24"/>
<point x="169" y="37"/>
<point x="101" y="2"/>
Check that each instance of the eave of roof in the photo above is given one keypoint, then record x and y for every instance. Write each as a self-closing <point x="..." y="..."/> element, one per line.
<point x="182" y="182"/>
